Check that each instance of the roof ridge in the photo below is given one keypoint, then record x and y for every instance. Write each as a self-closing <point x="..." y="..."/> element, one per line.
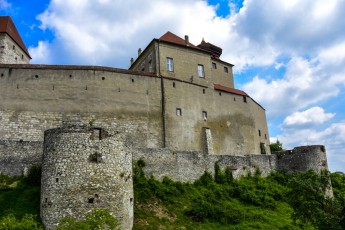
<point x="7" y="26"/>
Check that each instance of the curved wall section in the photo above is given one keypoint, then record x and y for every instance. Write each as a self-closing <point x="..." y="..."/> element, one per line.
<point x="85" y="168"/>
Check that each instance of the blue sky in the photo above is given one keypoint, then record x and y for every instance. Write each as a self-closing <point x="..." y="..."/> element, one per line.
<point x="289" y="55"/>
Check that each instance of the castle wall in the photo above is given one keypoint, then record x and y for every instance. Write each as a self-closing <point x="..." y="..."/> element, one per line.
<point x="233" y="123"/>
<point x="84" y="169"/>
<point x="186" y="62"/>
<point x="10" y="52"/>
<point x="303" y="158"/>
<point x="187" y="166"/>
<point x="36" y="98"/>
<point x="16" y="157"/>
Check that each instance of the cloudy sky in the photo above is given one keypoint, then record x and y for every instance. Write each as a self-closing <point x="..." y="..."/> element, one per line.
<point x="289" y="55"/>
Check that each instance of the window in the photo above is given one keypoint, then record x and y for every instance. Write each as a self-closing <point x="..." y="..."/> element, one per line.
<point x="259" y="132"/>
<point x="244" y="99"/>
<point x="204" y="115"/>
<point x="201" y="71"/>
<point x="178" y="112"/>
<point x="170" y="64"/>
<point x="214" y="65"/>
<point x="226" y="70"/>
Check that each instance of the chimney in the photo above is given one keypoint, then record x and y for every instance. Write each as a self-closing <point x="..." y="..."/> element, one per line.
<point x="139" y="51"/>
<point x="186" y="39"/>
<point x="132" y="61"/>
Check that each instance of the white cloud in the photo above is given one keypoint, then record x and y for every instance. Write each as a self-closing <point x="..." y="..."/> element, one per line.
<point x="41" y="53"/>
<point x="312" y="116"/>
<point x="4" y="4"/>
<point x="332" y="137"/>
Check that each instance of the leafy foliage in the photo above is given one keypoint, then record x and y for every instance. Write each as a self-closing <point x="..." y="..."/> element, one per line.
<point x="28" y="222"/>
<point x="34" y="176"/>
<point x="97" y="219"/>
<point x="276" y="147"/>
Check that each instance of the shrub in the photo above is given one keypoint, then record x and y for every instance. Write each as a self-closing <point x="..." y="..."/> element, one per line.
<point x="34" y="176"/>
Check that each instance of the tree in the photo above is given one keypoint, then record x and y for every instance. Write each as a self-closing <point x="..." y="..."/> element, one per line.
<point x="276" y="147"/>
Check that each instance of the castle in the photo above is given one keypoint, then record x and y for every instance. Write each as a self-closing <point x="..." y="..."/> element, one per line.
<point x="175" y="107"/>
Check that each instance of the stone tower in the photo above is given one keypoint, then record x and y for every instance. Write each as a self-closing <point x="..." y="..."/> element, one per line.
<point x="85" y="168"/>
<point x="12" y="47"/>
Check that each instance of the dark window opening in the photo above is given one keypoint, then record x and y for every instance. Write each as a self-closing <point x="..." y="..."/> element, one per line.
<point x="103" y="78"/>
<point x="178" y="112"/>
<point x="204" y="115"/>
<point x="132" y="80"/>
<point x="174" y="84"/>
<point x="234" y="98"/>
<point x="13" y="47"/>
<point x="2" y="75"/>
<point x="214" y="65"/>
<point x="265" y="136"/>
<point x="36" y="76"/>
<point x="90" y="200"/>
<point x="259" y="132"/>
<point x="56" y="180"/>
<point x="220" y="94"/>
<point x="203" y="91"/>
<point x="262" y="148"/>
<point x="70" y="76"/>
<point x="22" y="57"/>
<point x="226" y="70"/>
<point x="244" y="99"/>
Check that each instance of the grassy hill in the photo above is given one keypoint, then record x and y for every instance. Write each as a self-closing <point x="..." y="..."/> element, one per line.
<point x="278" y="201"/>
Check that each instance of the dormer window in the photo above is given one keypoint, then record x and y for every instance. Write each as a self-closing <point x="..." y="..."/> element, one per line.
<point x="170" y="64"/>
<point x="201" y="72"/>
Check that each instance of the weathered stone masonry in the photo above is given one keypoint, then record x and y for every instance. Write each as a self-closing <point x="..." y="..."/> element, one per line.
<point x="85" y="168"/>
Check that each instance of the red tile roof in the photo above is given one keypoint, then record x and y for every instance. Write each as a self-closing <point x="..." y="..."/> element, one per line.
<point x="229" y="90"/>
<point x="172" y="38"/>
<point x="7" y="26"/>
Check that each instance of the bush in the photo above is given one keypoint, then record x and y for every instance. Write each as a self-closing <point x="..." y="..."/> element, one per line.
<point x="28" y="222"/>
<point x="97" y="219"/>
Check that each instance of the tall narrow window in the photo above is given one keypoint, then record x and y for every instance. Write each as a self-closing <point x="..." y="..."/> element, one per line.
<point x="150" y="66"/>
<point x="204" y="115"/>
<point x="178" y="112"/>
<point x="226" y="70"/>
<point x="214" y="65"/>
<point x="244" y="99"/>
<point x="259" y="132"/>
<point x="201" y="72"/>
<point x="170" y="64"/>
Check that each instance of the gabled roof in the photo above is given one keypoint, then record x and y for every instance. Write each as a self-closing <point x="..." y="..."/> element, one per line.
<point x="174" y="39"/>
<point x="7" y="26"/>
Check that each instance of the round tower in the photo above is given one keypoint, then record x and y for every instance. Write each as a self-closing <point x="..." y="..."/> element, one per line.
<point x="85" y="168"/>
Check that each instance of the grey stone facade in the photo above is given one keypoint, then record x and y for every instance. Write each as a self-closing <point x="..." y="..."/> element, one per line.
<point x="85" y="168"/>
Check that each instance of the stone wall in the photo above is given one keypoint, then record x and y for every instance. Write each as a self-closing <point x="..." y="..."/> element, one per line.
<point x="85" y="168"/>
<point x="302" y="158"/>
<point x="10" y="52"/>
<point x="16" y="157"/>
<point x="188" y="166"/>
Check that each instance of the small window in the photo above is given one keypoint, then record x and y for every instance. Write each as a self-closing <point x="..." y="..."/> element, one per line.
<point x="226" y="70"/>
<point x="170" y="64"/>
<point x="244" y="99"/>
<point x="13" y="47"/>
<point x="203" y="91"/>
<point x="214" y="65"/>
<point x="265" y="136"/>
<point x="22" y="57"/>
<point x="259" y="132"/>
<point x="201" y="72"/>
<point x="174" y="85"/>
<point x="204" y="115"/>
<point x="178" y="112"/>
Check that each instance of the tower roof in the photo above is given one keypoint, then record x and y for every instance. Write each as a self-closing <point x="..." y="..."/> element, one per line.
<point x="7" y="26"/>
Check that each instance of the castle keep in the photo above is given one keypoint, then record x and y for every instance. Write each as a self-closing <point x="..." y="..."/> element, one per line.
<point x="175" y="107"/>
